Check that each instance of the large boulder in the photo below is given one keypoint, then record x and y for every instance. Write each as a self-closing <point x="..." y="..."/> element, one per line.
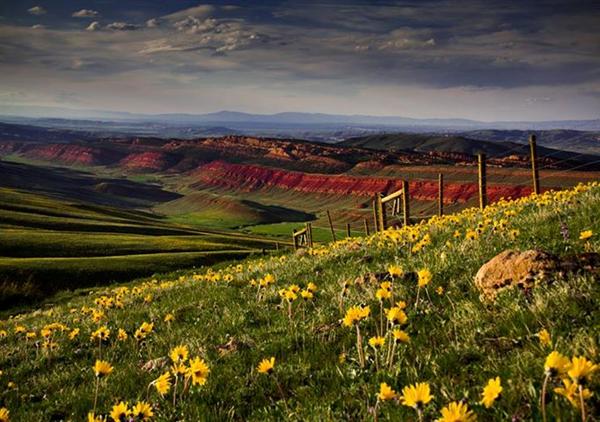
<point x="513" y="268"/>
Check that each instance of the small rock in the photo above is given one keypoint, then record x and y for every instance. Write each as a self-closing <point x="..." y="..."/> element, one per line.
<point x="512" y="268"/>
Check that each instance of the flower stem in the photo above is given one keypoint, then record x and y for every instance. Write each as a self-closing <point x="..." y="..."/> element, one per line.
<point x="96" y="394"/>
<point x="381" y="318"/>
<point x="361" y="358"/>
<point x="281" y="393"/>
<point x="543" y="398"/>
<point x="582" y="404"/>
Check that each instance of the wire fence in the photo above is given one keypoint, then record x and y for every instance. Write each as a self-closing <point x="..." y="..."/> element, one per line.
<point x="551" y="168"/>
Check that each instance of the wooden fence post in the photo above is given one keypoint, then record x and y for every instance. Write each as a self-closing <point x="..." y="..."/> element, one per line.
<point x="405" y="202"/>
<point x="331" y="226"/>
<point x="366" y="226"/>
<point x="294" y="239"/>
<point x="375" y="219"/>
<point x="440" y="194"/>
<point x="309" y="240"/>
<point x="348" y="230"/>
<point x="534" y="167"/>
<point x="482" y="181"/>
<point x="380" y="213"/>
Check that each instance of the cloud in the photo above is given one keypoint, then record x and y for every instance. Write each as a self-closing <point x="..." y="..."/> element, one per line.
<point x="94" y="26"/>
<point x="122" y="26"/>
<point x="38" y="26"/>
<point x="86" y="13"/>
<point x="153" y="23"/>
<point x="200" y="11"/>
<point x="37" y="10"/>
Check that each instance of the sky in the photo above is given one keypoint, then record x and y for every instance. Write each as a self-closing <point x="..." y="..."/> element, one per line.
<point x="478" y="59"/>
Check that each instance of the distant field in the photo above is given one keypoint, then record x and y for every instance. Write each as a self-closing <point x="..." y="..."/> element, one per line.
<point x="49" y="244"/>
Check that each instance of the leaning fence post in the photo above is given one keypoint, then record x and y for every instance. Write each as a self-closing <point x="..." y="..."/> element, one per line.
<point x="534" y="167"/>
<point x="440" y="194"/>
<point x="366" y="226"/>
<point x="482" y="181"/>
<point x="347" y="229"/>
<point x="405" y="202"/>
<point x="331" y="226"/>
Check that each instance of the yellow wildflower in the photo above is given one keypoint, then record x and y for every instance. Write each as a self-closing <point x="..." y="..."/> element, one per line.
<point x="395" y="270"/>
<point x="386" y="392"/>
<point x="400" y="336"/>
<point x="179" y="353"/>
<point x="102" y="368"/>
<point x="266" y="366"/>
<point x="163" y="383"/>
<point x="417" y="395"/>
<point x="571" y="392"/>
<point x="198" y="371"/>
<point x="101" y="334"/>
<point x="491" y="392"/>
<point x="91" y="417"/>
<point x="396" y="315"/>
<point x="556" y="364"/>
<point x="377" y="342"/>
<point x="544" y="337"/>
<point x="4" y="414"/>
<point x="122" y="335"/>
<point x="383" y="294"/>
<point x="585" y="235"/>
<point x="424" y="277"/>
<point x="581" y="370"/>
<point x="74" y="333"/>
<point x="142" y="411"/>
<point x="306" y="294"/>
<point x="355" y="314"/>
<point x="457" y="412"/>
<point x="120" y="412"/>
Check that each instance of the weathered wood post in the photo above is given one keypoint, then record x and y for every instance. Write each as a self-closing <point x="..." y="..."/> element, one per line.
<point x="331" y="226"/>
<point x="375" y="219"/>
<point x="440" y="194"/>
<point x="348" y="230"/>
<point x="482" y="181"/>
<point x="534" y="167"/>
<point x="294" y="239"/>
<point x="309" y="239"/>
<point x="405" y="202"/>
<point x="382" y="213"/>
<point x="366" y="227"/>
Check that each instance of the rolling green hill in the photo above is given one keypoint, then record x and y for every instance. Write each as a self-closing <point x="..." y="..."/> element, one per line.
<point x="49" y="244"/>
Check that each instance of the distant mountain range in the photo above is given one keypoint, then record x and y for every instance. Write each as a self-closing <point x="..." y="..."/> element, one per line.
<point x="239" y="120"/>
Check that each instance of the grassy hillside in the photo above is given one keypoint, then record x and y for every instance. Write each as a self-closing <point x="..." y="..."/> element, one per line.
<point x="49" y="244"/>
<point x="456" y="342"/>
<point x="207" y="209"/>
<point x="492" y="143"/>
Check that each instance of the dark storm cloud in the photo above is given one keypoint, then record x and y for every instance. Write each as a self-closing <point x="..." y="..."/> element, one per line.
<point x="430" y="44"/>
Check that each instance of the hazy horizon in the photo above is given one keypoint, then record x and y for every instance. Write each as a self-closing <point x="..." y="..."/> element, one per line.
<point x="477" y="60"/>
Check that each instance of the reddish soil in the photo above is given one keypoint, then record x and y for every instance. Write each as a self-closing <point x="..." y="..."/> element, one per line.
<point x="148" y="161"/>
<point x="70" y="154"/>
<point x="251" y="178"/>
